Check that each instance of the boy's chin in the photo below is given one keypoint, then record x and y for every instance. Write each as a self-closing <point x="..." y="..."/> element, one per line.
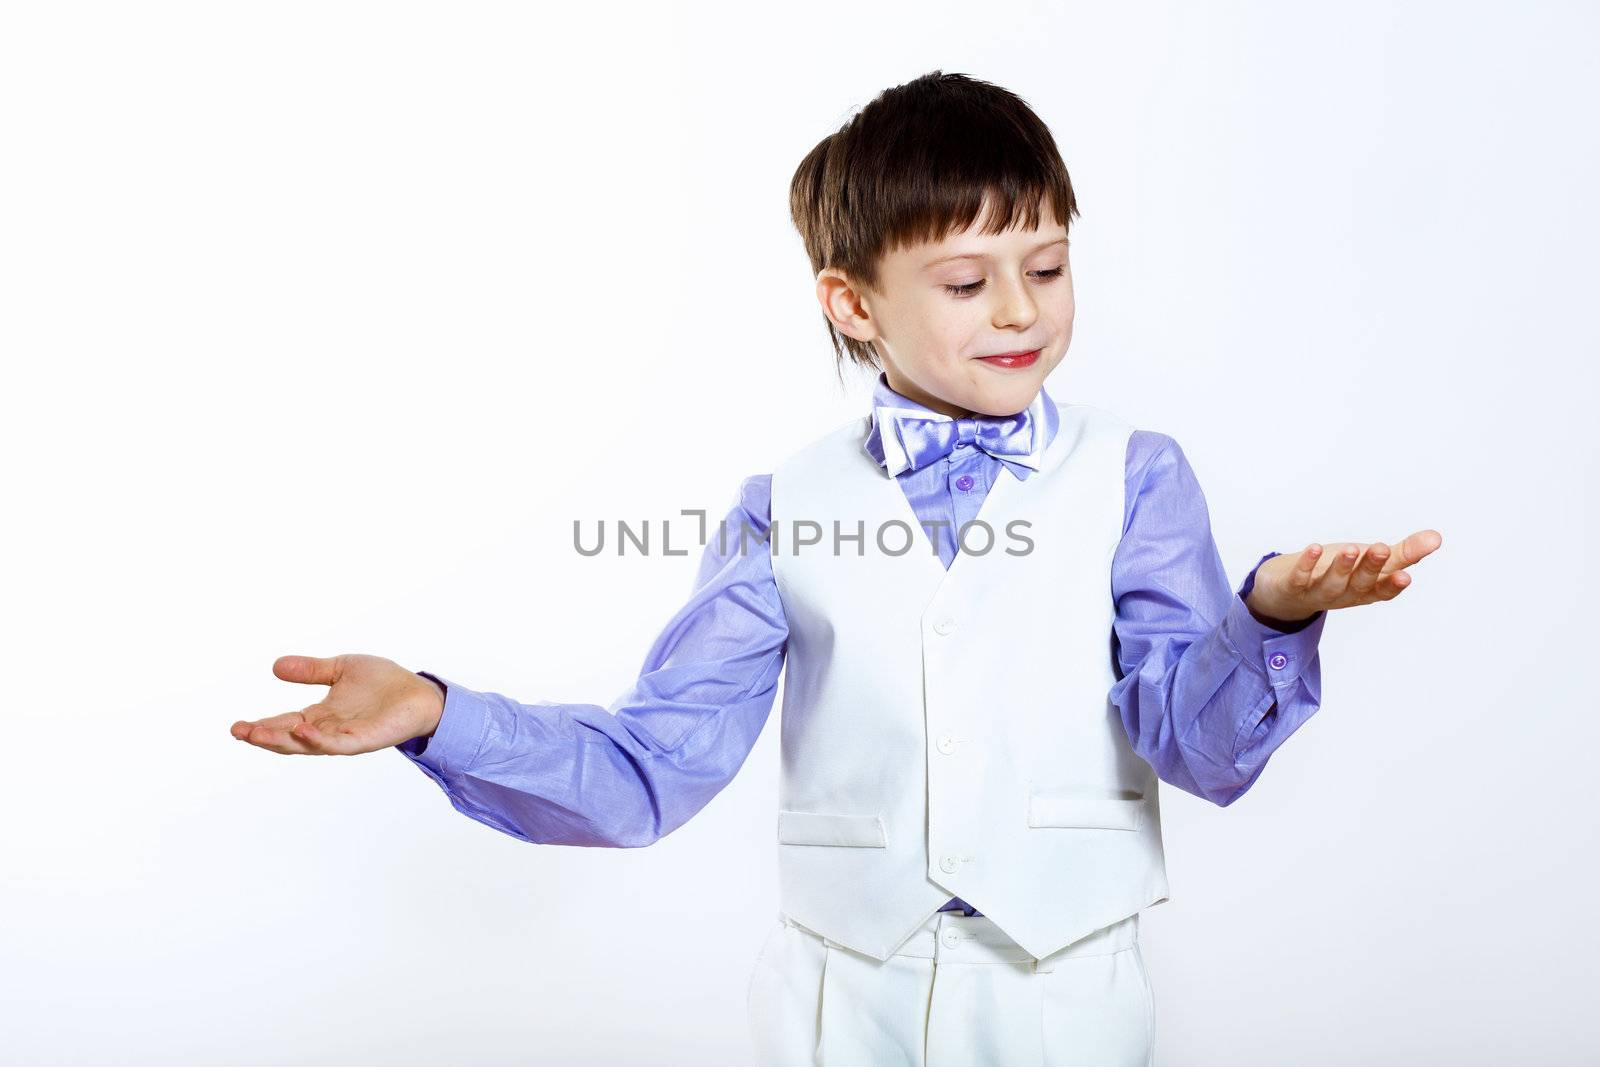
<point x="1001" y="398"/>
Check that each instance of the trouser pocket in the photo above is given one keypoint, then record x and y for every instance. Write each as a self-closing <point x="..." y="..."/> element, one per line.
<point x="1100" y="1010"/>
<point x="783" y="998"/>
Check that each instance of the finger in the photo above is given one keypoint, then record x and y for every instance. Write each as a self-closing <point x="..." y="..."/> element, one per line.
<point x="1422" y="543"/>
<point x="1366" y="575"/>
<point x="1413" y="548"/>
<point x="1331" y="586"/>
<point x="308" y="669"/>
<point x="281" y="733"/>
<point x="1391" y="585"/>
<point x="275" y="739"/>
<point x="1305" y="569"/>
<point x="276" y="722"/>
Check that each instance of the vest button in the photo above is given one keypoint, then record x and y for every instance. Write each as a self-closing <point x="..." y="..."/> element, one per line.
<point x="949" y="864"/>
<point x="947" y="744"/>
<point x="944" y="626"/>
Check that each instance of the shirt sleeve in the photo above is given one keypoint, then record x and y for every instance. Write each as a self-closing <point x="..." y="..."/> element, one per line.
<point x="1206" y="691"/>
<point x="627" y="775"/>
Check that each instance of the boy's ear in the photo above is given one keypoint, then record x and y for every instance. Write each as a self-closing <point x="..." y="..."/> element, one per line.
<point x="842" y="302"/>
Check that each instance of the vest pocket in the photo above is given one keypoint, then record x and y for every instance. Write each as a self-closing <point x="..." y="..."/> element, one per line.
<point x="1062" y="807"/>
<point x="822" y="828"/>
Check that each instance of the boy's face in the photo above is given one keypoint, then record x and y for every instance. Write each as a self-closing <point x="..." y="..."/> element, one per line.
<point x="934" y="318"/>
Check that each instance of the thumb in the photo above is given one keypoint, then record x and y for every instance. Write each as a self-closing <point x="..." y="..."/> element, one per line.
<point x="308" y="669"/>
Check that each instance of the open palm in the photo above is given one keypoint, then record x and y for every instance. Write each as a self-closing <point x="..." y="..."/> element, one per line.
<point x="1338" y="574"/>
<point x="372" y="703"/>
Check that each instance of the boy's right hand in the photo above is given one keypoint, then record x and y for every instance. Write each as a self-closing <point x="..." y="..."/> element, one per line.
<point x="373" y="703"/>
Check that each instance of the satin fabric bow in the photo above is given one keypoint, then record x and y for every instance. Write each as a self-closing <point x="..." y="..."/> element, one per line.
<point x="913" y="438"/>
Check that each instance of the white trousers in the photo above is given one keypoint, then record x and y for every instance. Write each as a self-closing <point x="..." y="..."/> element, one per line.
<point x="959" y="993"/>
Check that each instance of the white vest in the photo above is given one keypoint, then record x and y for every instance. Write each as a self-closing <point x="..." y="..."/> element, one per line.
<point x="950" y="733"/>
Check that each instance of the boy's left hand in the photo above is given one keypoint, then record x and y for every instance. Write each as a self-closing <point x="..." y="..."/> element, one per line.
<point x="1340" y="574"/>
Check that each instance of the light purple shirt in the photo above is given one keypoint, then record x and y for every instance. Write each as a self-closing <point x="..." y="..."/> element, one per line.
<point x="1206" y="691"/>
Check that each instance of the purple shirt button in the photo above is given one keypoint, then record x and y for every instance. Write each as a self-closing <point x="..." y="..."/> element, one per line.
<point x="1278" y="661"/>
<point x="964" y="482"/>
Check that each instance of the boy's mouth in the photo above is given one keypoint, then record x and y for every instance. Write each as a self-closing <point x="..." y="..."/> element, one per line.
<point x="1012" y="359"/>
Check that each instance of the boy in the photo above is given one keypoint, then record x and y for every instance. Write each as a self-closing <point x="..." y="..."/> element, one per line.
<point x="975" y="716"/>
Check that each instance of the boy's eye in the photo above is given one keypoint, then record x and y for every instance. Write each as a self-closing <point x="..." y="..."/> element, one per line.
<point x="972" y="287"/>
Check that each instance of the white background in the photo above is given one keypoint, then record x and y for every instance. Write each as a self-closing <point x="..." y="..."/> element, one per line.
<point x="323" y="322"/>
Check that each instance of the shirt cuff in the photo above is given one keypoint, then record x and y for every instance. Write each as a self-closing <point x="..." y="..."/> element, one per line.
<point x="1279" y="656"/>
<point x="453" y="747"/>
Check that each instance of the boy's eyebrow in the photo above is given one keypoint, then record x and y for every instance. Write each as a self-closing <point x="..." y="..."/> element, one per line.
<point x="980" y="255"/>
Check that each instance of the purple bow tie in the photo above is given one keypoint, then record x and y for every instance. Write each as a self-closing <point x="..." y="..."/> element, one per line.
<point x="913" y="439"/>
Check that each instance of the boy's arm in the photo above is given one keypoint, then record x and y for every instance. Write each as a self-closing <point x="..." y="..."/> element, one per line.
<point x="1207" y="691"/>
<point x="580" y="774"/>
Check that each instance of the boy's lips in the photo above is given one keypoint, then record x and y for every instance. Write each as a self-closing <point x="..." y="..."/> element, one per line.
<point x="1012" y="359"/>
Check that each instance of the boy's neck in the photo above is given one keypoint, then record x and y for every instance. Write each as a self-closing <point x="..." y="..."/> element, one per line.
<point x="927" y="400"/>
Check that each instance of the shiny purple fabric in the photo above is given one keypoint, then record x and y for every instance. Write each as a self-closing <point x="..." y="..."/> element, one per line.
<point x="927" y="436"/>
<point x="1206" y="691"/>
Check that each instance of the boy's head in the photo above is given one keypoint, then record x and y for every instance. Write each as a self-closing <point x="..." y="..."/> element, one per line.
<point x="944" y="166"/>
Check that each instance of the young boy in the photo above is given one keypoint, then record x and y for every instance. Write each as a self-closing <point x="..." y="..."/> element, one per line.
<point x="976" y="715"/>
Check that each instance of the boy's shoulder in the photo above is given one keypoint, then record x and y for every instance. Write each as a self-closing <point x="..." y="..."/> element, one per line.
<point x="850" y="434"/>
<point x="1088" y="413"/>
<point x="1142" y="439"/>
<point x="1078" y="422"/>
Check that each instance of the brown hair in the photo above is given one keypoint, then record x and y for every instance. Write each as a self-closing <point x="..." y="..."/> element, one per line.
<point x="915" y="165"/>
